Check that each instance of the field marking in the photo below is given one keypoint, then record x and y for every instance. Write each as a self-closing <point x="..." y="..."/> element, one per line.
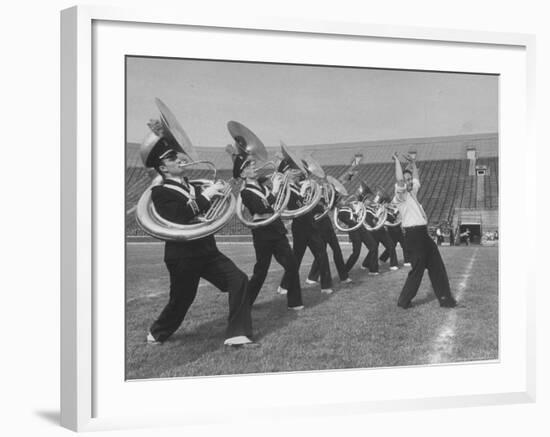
<point x="444" y="342"/>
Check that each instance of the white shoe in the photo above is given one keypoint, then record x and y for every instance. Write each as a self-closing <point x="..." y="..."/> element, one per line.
<point x="394" y="268"/>
<point x="310" y="282"/>
<point x="373" y="273"/>
<point x="282" y="291"/>
<point x="327" y="290"/>
<point x="151" y="339"/>
<point x="363" y="268"/>
<point x="296" y="308"/>
<point x="347" y="281"/>
<point x="407" y="264"/>
<point x="239" y="339"/>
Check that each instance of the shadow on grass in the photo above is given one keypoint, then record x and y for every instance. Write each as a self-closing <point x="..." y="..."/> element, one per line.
<point x="424" y="300"/>
<point x="275" y="315"/>
<point x="198" y="339"/>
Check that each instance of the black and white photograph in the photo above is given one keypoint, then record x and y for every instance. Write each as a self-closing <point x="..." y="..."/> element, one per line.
<point x="290" y="218"/>
<point x="285" y="218"/>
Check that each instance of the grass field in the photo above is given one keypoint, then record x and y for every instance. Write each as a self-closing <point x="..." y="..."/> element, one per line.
<point x="358" y="326"/>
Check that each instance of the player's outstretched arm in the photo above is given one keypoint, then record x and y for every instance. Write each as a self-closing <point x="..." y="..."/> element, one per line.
<point x="398" y="170"/>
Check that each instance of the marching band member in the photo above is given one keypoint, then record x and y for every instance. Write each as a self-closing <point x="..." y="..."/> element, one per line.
<point x="326" y="229"/>
<point x="379" y="235"/>
<point x="396" y="235"/>
<point x="269" y="240"/>
<point x="358" y="237"/>
<point x="304" y="234"/>
<point x="179" y="201"/>
<point x="423" y="251"/>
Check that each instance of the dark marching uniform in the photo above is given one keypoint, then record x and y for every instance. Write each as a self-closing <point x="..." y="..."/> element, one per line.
<point x="423" y="251"/>
<point x="396" y="235"/>
<point x="325" y="228"/>
<point x="379" y="236"/>
<point x="270" y="240"/>
<point x="188" y="261"/>
<point x="357" y="237"/>
<point x="304" y="234"/>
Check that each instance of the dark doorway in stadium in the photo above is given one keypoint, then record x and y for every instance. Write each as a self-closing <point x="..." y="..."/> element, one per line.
<point x="474" y="236"/>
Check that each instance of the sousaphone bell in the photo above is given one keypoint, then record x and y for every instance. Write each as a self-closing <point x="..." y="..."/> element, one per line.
<point x="310" y="189"/>
<point x="221" y="209"/>
<point x="330" y="186"/>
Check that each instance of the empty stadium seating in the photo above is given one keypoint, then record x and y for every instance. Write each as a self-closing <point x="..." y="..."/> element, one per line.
<point x="445" y="186"/>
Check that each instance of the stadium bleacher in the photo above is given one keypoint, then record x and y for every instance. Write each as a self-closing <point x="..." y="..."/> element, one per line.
<point x="442" y="163"/>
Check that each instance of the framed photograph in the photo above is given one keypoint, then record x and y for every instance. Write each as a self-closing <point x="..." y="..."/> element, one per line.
<point x="176" y="281"/>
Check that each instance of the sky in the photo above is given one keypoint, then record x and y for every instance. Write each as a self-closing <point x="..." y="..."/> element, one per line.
<point x="304" y="105"/>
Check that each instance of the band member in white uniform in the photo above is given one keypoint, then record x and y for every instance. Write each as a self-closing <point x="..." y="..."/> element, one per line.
<point x="423" y="251"/>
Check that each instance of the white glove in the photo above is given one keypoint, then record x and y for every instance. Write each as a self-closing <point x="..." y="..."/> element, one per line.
<point x="276" y="183"/>
<point x="304" y="187"/>
<point x="213" y="190"/>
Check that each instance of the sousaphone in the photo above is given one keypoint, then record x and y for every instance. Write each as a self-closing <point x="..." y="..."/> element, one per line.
<point x="349" y="204"/>
<point x="330" y="186"/>
<point x="355" y="208"/>
<point x="310" y="189"/>
<point x="376" y="214"/>
<point x="250" y="145"/>
<point x="216" y="217"/>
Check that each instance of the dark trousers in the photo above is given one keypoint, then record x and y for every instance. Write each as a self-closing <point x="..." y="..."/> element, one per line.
<point x="359" y="237"/>
<point x="396" y="235"/>
<point x="185" y="274"/>
<point x="279" y="248"/>
<point x="379" y="236"/>
<point x="424" y="254"/>
<point x="302" y="238"/>
<point x="330" y="238"/>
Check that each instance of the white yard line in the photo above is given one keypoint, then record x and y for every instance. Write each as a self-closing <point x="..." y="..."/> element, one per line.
<point x="444" y="342"/>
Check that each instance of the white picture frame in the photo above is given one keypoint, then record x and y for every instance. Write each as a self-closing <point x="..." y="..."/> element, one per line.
<point x="82" y="185"/>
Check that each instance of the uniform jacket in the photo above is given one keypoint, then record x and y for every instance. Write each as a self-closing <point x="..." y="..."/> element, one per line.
<point x="345" y="215"/>
<point x="305" y="221"/>
<point x="258" y="199"/>
<point x="180" y="204"/>
<point x="371" y="218"/>
<point x="323" y="225"/>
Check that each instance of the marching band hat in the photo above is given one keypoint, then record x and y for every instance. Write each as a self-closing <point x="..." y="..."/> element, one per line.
<point x="284" y="165"/>
<point x="154" y="149"/>
<point x="363" y="190"/>
<point x="239" y="164"/>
